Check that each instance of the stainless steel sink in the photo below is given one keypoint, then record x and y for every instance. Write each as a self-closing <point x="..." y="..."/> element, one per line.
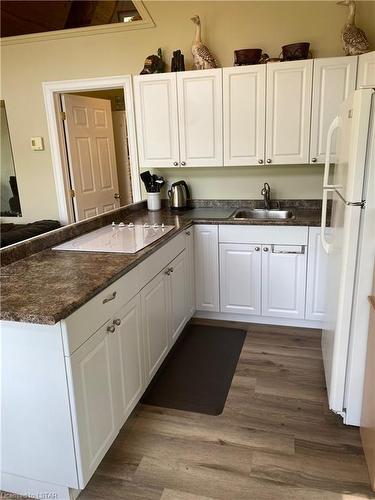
<point x="261" y="213"/>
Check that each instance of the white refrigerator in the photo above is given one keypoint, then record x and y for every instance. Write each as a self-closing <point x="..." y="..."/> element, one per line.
<point x="349" y="242"/>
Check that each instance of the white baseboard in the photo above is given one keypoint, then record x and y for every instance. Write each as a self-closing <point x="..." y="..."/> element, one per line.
<point x="243" y="318"/>
<point x="24" y="486"/>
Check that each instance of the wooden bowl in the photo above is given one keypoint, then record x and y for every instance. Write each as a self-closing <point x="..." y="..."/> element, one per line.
<point x="296" y="51"/>
<point x="244" y="57"/>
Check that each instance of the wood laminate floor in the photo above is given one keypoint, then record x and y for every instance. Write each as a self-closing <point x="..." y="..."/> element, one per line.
<point x="275" y="440"/>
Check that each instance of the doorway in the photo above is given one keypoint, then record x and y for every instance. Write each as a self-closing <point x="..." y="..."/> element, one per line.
<point x="93" y="145"/>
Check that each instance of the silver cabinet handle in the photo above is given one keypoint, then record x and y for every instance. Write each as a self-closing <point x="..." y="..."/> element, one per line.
<point x="188" y="233"/>
<point x="175" y="163"/>
<point x="313" y="160"/>
<point x="170" y="269"/>
<point x="260" y="162"/>
<point x="116" y="196"/>
<point x="111" y="329"/>
<point x="167" y="272"/>
<point x="183" y="163"/>
<point x="111" y="297"/>
<point x="265" y="249"/>
<point x="257" y="249"/>
<point x="117" y="321"/>
<point x="269" y="160"/>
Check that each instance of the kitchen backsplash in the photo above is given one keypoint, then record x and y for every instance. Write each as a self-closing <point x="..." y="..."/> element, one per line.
<point x="286" y="181"/>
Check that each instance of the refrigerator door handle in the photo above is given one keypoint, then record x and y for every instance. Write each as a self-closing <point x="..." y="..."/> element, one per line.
<point x="326" y="246"/>
<point x="351" y="203"/>
<point x="334" y="125"/>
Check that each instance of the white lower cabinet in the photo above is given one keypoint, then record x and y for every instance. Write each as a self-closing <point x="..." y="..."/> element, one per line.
<point x="317" y="271"/>
<point x="240" y="278"/>
<point x="178" y="296"/>
<point x="155" y="312"/>
<point x="283" y="281"/>
<point x="93" y="396"/>
<point x="128" y="348"/>
<point x="206" y="239"/>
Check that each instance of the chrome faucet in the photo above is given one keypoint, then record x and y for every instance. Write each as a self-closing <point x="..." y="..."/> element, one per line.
<point x="266" y="193"/>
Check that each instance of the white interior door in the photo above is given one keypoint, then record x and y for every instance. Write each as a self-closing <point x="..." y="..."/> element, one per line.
<point x="244" y="98"/>
<point x="91" y="153"/>
<point x="288" y="111"/>
<point x="200" y="108"/>
<point x="334" y="79"/>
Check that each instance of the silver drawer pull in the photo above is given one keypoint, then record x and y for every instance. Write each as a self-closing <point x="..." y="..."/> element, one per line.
<point x="117" y="321"/>
<point x="111" y="297"/>
<point x="111" y="329"/>
<point x="288" y="249"/>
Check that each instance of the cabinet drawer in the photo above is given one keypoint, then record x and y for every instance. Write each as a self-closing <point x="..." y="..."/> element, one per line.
<point x="278" y="235"/>
<point x="80" y="325"/>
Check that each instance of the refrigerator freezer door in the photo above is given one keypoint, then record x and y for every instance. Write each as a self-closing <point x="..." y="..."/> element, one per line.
<point x="344" y="187"/>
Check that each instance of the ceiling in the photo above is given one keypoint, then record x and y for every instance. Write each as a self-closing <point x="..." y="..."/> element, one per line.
<point x="33" y="16"/>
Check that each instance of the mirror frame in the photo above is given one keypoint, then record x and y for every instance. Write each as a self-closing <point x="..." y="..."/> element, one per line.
<point x="145" y="22"/>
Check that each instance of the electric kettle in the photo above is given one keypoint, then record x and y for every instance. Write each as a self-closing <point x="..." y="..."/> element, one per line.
<point x="178" y="196"/>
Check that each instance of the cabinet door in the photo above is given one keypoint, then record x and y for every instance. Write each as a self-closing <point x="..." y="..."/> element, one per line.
<point x="317" y="267"/>
<point x="288" y="112"/>
<point x="128" y="349"/>
<point x="240" y="278"/>
<point x="200" y="118"/>
<point x="206" y="267"/>
<point x="178" y="296"/>
<point x="283" y="281"/>
<point x="155" y="99"/>
<point x="366" y="70"/>
<point x="334" y="79"/>
<point x="244" y="97"/>
<point x="155" y="315"/>
<point x="94" y="396"/>
<point x="190" y="278"/>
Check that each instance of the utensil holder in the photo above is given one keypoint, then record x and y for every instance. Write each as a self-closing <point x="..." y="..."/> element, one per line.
<point x="153" y="201"/>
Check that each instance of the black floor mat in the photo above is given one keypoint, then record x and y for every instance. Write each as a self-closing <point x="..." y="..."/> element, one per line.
<point x="197" y="373"/>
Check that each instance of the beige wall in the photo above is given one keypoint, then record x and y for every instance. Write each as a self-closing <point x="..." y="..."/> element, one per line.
<point x="227" y="25"/>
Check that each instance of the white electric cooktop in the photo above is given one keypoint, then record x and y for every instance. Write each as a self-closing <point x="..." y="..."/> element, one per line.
<point x="121" y="238"/>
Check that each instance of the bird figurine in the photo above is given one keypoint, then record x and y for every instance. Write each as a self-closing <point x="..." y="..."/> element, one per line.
<point x="354" y="40"/>
<point x="202" y="57"/>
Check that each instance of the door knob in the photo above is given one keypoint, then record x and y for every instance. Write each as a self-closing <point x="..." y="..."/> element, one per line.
<point x="183" y="163"/>
<point x="175" y="163"/>
<point x="269" y="160"/>
<point x="116" y="196"/>
<point x="117" y="321"/>
<point x="260" y="161"/>
<point x="313" y="160"/>
<point x="111" y="329"/>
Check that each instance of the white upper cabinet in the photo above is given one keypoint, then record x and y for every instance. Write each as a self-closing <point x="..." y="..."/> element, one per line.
<point x="200" y="118"/>
<point x="366" y="69"/>
<point x="334" y="79"/>
<point x="244" y="98"/>
<point x="157" y="120"/>
<point x="288" y="112"/>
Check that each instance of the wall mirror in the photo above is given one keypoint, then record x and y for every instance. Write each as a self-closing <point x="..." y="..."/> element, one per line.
<point x="10" y="202"/>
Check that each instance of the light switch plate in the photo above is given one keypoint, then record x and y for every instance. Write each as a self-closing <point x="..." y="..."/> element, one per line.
<point x="37" y="143"/>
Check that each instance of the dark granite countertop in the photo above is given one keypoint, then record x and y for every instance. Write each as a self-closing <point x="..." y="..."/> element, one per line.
<point x="48" y="285"/>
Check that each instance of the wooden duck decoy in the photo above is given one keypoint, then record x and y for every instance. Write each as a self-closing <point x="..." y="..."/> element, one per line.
<point x="202" y="57"/>
<point x="354" y="40"/>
